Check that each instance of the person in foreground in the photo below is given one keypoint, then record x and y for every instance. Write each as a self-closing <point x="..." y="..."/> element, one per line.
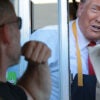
<point x="35" y="83"/>
<point x="87" y="26"/>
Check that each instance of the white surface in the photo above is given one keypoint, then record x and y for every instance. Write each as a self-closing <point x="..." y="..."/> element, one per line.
<point x="95" y="59"/>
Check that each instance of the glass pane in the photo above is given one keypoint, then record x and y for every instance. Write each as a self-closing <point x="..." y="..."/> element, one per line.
<point x="46" y="23"/>
<point x="45" y="27"/>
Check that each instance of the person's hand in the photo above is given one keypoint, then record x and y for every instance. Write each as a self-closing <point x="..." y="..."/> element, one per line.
<point x="36" y="51"/>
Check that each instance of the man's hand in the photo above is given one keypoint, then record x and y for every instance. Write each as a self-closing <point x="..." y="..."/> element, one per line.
<point x="36" y="51"/>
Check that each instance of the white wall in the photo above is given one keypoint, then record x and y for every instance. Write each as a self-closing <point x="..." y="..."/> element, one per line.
<point x="44" y="14"/>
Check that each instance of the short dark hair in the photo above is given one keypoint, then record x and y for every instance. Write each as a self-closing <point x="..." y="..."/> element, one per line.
<point x="7" y="9"/>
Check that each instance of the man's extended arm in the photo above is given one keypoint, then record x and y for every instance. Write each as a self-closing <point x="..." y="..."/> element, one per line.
<point x="36" y="81"/>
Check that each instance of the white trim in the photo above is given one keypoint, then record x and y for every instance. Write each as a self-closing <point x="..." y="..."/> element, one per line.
<point x="24" y="12"/>
<point x="63" y="57"/>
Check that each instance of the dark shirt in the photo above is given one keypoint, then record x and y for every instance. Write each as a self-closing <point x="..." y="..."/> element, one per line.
<point x="9" y="91"/>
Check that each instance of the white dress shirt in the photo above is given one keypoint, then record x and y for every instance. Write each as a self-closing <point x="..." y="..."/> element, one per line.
<point x="49" y="36"/>
<point x="83" y="44"/>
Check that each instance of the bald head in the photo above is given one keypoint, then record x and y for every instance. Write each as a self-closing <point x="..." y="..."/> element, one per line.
<point x="7" y="11"/>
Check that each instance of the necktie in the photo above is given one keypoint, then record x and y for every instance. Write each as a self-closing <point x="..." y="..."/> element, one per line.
<point x="90" y="67"/>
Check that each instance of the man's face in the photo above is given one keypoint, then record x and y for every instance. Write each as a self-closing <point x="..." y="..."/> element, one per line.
<point x="14" y="49"/>
<point x="89" y="19"/>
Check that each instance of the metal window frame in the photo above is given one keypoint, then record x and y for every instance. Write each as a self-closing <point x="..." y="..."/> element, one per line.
<point x="64" y="49"/>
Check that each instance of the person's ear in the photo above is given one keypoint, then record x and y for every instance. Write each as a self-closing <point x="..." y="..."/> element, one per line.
<point x="80" y="9"/>
<point x="5" y="34"/>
